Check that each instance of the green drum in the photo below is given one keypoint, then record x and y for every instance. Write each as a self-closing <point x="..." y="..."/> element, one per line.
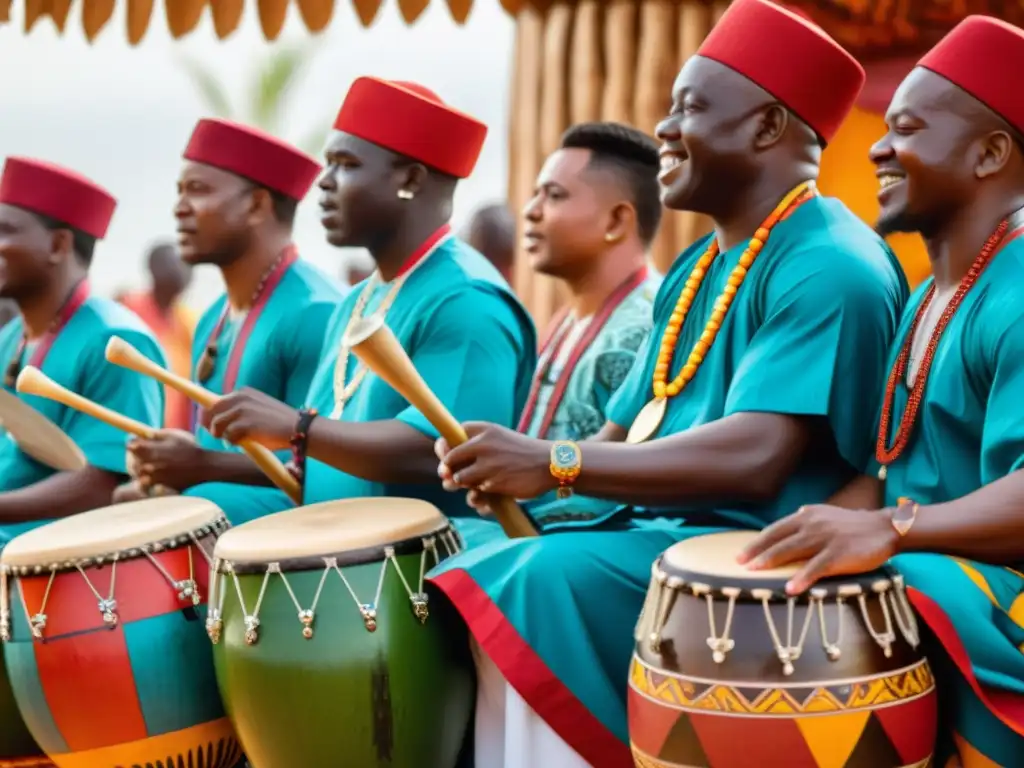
<point x="328" y="650"/>
<point x="17" y="747"/>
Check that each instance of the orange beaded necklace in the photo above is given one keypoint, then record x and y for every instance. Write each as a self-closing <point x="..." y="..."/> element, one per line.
<point x="649" y="419"/>
<point x="884" y="454"/>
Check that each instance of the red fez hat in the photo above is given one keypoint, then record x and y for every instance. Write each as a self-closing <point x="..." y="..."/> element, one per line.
<point x="791" y="58"/>
<point x="412" y="121"/>
<point x="251" y="153"/>
<point x="58" y="193"/>
<point x="983" y="56"/>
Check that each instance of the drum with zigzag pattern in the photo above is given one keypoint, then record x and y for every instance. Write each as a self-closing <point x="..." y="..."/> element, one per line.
<point x="729" y="672"/>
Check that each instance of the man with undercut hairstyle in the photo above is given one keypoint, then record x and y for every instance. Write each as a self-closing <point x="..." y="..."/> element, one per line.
<point x="949" y="491"/>
<point x="594" y="210"/>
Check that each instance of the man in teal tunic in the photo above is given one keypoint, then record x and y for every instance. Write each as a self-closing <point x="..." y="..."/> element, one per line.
<point x="237" y="198"/>
<point x="393" y="163"/>
<point x="50" y="222"/>
<point x="594" y="212"/>
<point x="950" y="443"/>
<point x="777" y="346"/>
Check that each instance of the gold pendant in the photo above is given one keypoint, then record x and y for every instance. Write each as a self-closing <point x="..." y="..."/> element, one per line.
<point x="648" y="420"/>
<point x="882" y="473"/>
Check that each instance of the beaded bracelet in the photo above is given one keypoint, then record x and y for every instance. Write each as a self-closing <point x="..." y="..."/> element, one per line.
<point x="299" y="440"/>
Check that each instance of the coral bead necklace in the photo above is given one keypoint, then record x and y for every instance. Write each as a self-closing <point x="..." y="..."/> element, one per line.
<point x="884" y="453"/>
<point x="650" y="417"/>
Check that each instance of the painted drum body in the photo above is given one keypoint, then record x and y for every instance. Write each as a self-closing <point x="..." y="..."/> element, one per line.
<point x="109" y="661"/>
<point x="729" y="672"/>
<point x="340" y="657"/>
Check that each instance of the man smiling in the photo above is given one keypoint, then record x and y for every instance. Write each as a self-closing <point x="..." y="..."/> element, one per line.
<point x="760" y="373"/>
<point x="950" y="442"/>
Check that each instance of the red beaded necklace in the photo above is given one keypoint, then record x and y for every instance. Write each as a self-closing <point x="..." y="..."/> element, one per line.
<point x="884" y="453"/>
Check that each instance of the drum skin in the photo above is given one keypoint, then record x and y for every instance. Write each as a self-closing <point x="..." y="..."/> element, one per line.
<point x="398" y="697"/>
<point x="861" y="710"/>
<point x="142" y="693"/>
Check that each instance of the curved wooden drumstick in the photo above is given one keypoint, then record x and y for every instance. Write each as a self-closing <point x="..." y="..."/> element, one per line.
<point x="33" y="381"/>
<point x="374" y="343"/>
<point x="120" y="352"/>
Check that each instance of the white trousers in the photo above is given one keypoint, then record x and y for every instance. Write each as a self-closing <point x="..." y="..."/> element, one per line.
<point x="509" y="734"/>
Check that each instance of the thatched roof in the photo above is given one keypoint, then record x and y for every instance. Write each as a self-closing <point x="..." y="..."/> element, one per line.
<point x="182" y="16"/>
<point x="867" y="27"/>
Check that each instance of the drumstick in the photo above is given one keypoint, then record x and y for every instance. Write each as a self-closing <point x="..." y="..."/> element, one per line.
<point x="120" y="352"/>
<point x="374" y="343"/>
<point x="33" y="381"/>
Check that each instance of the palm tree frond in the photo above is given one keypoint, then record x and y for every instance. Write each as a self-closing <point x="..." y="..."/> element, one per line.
<point x="210" y="89"/>
<point x="279" y="73"/>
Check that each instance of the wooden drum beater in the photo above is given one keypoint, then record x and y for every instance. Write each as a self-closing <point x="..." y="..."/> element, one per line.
<point x="376" y="346"/>
<point x="120" y="352"/>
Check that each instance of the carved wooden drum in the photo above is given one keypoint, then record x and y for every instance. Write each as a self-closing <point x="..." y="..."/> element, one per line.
<point x="103" y="618"/>
<point x="328" y="649"/>
<point x="729" y="672"/>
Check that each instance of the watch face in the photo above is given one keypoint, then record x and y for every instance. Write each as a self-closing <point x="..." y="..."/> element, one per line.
<point x="564" y="456"/>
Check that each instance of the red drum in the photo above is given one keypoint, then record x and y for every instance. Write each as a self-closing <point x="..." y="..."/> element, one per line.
<point x="103" y="620"/>
<point x="730" y="672"/>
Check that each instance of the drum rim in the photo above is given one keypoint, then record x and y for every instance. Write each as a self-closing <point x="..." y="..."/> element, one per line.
<point x="213" y="528"/>
<point x="352" y="557"/>
<point x="882" y="579"/>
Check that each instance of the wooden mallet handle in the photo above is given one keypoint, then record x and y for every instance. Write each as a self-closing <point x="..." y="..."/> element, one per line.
<point x="374" y="343"/>
<point x="120" y="352"/>
<point x="33" y="381"/>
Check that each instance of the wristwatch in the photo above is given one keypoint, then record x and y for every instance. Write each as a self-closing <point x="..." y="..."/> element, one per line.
<point x="566" y="463"/>
<point x="904" y="515"/>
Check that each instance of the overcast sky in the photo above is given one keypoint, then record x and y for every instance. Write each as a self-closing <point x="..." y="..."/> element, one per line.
<point x="122" y="115"/>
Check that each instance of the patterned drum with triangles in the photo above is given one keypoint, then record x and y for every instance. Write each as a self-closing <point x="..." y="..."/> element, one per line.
<point x="729" y="672"/>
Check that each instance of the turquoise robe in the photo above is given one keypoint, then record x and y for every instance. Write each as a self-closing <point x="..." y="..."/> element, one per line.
<point x="807" y="335"/>
<point x="77" y="361"/>
<point x="472" y="342"/>
<point x="280" y="359"/>
<point x="969" y="433"/>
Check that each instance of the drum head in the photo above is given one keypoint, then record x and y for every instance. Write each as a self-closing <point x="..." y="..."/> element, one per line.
<point x="711" y="560"/>
<point x="37" y="436"/>
<point x="333" y="527"/>
<point x="107" y="530"/>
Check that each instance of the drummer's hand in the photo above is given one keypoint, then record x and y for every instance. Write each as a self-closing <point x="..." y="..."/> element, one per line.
<point x="128" y="492"/>
<point x="834" y="542"/>
<point x="496" y="460"/>
<point x="172" y="458"/>
<point x="248" y="414"/>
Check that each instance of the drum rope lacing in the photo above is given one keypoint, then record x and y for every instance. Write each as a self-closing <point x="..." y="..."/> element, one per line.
<point x="187" y="588"/>
<point x="307" y="616"/>
<point x="664" y="589"/>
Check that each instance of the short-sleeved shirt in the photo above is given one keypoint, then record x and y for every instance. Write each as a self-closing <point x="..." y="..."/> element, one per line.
<point x="470" y="339"/>
<point x="77" y="361"/>
<point x="807" y="334"/>
<point x="970" y="427"/>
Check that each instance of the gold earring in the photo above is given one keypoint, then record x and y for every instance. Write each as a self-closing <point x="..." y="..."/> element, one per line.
<point x="609" y="237"/>
<point x="405" y="194"/>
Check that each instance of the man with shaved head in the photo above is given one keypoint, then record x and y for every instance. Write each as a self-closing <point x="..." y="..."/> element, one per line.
<point x="749" y="399"/>
<point x="949" y="493"/>
<point x="492" y="231"/>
